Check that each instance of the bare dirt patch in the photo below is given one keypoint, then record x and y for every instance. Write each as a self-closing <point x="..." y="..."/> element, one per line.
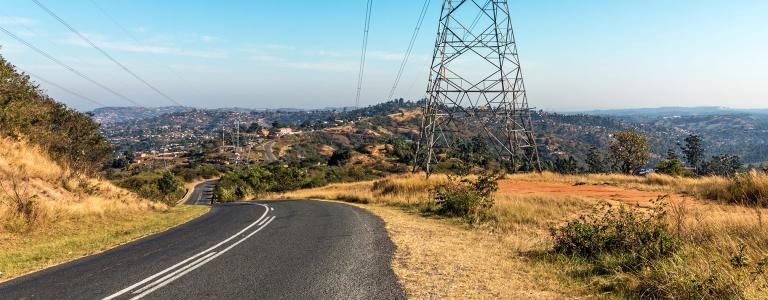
<point x="597" y="192"/>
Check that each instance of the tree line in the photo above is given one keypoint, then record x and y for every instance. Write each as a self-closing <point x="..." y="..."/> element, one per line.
<point x="629" y="153"/>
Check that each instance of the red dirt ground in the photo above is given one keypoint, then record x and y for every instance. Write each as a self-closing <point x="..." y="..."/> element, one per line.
<point x="597" y="192"/>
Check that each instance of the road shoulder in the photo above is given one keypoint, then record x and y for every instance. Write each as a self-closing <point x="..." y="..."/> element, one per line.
<point x="65" y="244"/>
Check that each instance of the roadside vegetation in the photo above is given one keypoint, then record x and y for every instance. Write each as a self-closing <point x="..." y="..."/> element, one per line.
<point x="162" y="187"/>
<point x="70" y="138"/>
<point x="54" y="204"/>
<point x="690" y="233"/>
<point x="49" y="216"/>
<point x="251" y="181"/>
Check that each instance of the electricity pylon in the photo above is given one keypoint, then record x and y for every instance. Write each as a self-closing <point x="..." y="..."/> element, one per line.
<point x="476" y="86"/>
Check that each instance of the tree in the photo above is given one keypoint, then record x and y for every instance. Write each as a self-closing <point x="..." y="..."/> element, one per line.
<point x="254" y="127"/>
<point x="129" y="156"/>
<point x="672" y="167"/>
<point x="567" y="166"/>
<point x="764" y="167"/>
<point x="339" y="157"/>
<point x="723" y="165"/>
<point x="596" y="162"/>
<point x="693" y="150"/>
<point x="168" y="184"/>
<point x="403" y="150"/>
<point x="631" y="152"/>
<point x="471" y="153"/>
<point x="672" y="155"/>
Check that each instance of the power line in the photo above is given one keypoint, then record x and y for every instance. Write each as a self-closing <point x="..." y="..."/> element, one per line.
<point x="109" y="16"/>
<point x="73" y="30"/>
<point x="367" y="28"/>
<point x="409" y="50"/>
<point x="136" y="40"/>
<point x="71" y="69"/>
<point x="38" y="77"/>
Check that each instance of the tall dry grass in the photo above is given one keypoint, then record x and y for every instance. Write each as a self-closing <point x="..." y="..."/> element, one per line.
<point x="56" y="196"/>
<point x="711" y="232"/>
<point x="511" y="212"/>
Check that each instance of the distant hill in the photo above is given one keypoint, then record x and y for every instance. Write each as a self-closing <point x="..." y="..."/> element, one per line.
<point x="676" y="111"/>
<point x="725" y="131"/>
<point x="112" y="115"/>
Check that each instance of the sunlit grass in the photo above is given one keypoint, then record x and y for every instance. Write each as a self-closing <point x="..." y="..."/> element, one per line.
<point x="712" y="222"/>
<point x="70" y="215"/>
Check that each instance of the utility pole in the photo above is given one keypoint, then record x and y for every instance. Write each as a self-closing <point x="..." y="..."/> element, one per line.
<point x="476" y="87"/>
<point x="237" y="141"/>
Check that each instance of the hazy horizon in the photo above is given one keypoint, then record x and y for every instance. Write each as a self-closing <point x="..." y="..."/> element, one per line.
<point x="576" y="56"/>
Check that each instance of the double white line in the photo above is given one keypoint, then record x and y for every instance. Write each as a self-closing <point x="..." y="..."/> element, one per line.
<point x="164" y="277"/>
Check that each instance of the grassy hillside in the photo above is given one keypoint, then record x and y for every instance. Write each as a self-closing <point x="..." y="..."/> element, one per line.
<point x="49" y="216"/>
<point x="70" y="138"/>
<point x="53" y="206"/>
<point x="718" y="248"/>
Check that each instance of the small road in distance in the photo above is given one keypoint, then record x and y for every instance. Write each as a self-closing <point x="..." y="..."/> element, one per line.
<point x="268" y="151"/>
<point x="202" y="193"/>
<point x="257" y="250"/>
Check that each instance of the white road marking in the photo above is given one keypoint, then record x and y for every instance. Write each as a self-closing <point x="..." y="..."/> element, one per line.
<point x="272" y="208"/>
<point x="146" y="287"/>
<point x="190" y="269"/>
<point x="130" y="288"/>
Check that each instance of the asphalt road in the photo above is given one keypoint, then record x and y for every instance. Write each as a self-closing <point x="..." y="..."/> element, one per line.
<point x="202" y="193"/>
<point x="268" y="151"/>
<point x="260" y="250"/>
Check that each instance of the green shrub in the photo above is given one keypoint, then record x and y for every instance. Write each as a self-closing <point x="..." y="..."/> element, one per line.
<point x="340" y="157"/>
<point x="467" y="198"/>
<point x="628" y="234"/>
<point x="672" y="167"/>
<point x="160" y="187"/>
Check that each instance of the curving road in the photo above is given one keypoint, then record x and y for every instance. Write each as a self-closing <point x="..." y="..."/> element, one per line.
<point x="260" y="250"/>
<point x="202" y="193"/>
<point x="268" y="151"/>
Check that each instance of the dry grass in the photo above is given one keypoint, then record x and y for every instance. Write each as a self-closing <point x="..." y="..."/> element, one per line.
<point x="60" y="198"/>
<point x="437" y="260"/>
<point x="65" y="216"/>
<point x="21" y="254"/>
<point x="493" y="260"/>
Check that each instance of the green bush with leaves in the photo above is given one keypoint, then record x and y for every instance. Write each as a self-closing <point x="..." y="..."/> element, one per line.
<point x="340" y="157"/>
<point x="468" y="198"/>
<point x="626" y="237"/>
<point x="672" y="167"/>
<point x="199" y="171"/>
<point x="162" y="187"/>
<point x="255" y="180"/>
<point x="631" y="151"/>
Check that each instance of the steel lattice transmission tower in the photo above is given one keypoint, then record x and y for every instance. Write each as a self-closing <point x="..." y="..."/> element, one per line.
<point x="476" y="86"/>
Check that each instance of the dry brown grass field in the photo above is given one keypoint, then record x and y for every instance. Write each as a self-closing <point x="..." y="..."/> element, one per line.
<point x="509" y="256"/>
<point x="49" y="216"/>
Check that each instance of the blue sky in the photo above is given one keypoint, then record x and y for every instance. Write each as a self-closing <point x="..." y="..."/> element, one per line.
<point x="576" y="55"/>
